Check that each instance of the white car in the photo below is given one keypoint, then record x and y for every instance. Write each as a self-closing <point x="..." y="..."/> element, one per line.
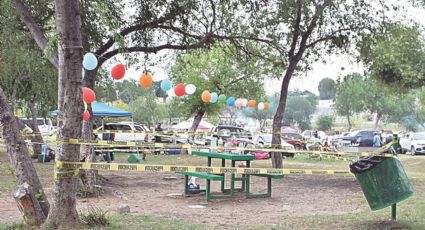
<point x="266" y="140"/>
<point x="130" y="131"/>
<point x="413" y="142"/>
<point x="45" y="125"/>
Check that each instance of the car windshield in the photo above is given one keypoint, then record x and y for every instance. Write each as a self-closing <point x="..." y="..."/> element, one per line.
<point x="228" y="131"/>
<point x="267" y="138"/>
<point x="138" y="128"/>
<point x="419" y="136"/>
<point x="353" y="134"/>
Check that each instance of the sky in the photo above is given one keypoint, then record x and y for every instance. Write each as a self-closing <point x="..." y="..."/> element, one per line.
<point x="335" y="66"/>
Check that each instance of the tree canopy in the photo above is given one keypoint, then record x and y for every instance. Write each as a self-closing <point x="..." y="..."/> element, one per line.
<point x="327" y="89"/>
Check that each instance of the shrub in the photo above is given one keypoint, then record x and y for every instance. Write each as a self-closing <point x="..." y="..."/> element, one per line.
<point x="95" y="217"/>
<point x="325" y="122"/>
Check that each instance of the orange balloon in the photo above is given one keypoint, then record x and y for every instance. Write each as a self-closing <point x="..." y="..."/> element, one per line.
<point x="206" y="96"/>
<point x="146" y="80"/>
<point x="266" y="105"/>
<point x="252" y="103"/>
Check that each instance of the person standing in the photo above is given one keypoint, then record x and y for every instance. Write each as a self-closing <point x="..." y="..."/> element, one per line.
<point x="158" y="137"/>
<point x="376" y="140"/>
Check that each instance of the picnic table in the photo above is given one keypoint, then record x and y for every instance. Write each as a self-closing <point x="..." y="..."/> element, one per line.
<point x="245" y="178"/>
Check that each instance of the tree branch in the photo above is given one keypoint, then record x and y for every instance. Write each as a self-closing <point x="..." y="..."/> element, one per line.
<point x="138" y="26"/>
<point x="154" y="49"/>
<point x="296" y="31"/>
<point x="36" y="31"/>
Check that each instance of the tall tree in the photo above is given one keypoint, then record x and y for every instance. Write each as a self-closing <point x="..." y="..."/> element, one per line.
<point x="299" y="32"/>
<point x="298" y="111"/>
<point x="348" y="98"/>
<point x="63" y="213"/>
<point x="217" y="70"/>
<point x="327" y="89"/>
<point x="30" y="197"/>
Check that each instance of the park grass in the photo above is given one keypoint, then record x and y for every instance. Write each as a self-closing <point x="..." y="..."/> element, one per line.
<point x="411" y="212"/>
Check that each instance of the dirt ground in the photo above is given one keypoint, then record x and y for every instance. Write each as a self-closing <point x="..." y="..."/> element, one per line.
<point x="161" y="195"/>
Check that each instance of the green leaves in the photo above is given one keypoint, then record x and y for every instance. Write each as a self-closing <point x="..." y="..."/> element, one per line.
<point x="395" y="57"/>
<point x="218" y="70"/>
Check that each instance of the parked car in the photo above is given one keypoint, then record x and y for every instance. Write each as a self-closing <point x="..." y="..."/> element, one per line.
<point x="266" y="141"/>
<point x="294" y="139"/>
<point x="226" y="132"/>
<point x="126" y="136"/>
<point x="359" y="137"/>
<point x="45" y="125"/>
<point x="413" y="142"/>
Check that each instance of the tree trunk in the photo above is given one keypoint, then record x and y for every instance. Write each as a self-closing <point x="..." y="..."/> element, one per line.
<point x="197" y="120"/>
<point x="377" y="119"/>
<point x="63" y="213"/>
<point x="278" y="117"/>
<point x="87" y="152"/>
<point x="350" y="126"/>
<point x="34" y="205"/>
<point x="37" y="137"/>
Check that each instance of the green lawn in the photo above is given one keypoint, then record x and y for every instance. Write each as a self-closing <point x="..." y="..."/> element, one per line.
<point x="411" y="213"/>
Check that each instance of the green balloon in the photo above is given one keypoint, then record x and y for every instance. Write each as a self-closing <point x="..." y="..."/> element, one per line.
<point x="222" y="98"/>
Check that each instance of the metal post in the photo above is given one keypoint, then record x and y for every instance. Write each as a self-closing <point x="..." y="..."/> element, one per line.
<point x="394" y="212"/>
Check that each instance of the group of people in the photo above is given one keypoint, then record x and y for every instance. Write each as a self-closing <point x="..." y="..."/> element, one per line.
<point x="379" y="140"/>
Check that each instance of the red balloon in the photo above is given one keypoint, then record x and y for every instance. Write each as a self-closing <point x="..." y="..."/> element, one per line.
<point x="180" y="90"/>
<point x="86" y="115"/>
<point x="118" y="71"/>
<point x="88" y="95"/>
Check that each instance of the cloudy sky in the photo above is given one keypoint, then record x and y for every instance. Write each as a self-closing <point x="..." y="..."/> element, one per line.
<point x="335" y="66"/>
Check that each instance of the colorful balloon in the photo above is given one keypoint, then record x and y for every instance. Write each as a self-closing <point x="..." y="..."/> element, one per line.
<point x="252" y="103"/>
<point x="118" y="71"/>
<point x="239" y="103"/>
<point x="244" y="102"/>
<point x="146" y="80"/>
<point x="214" y="97"/>
<point x="206" y="96"/>
<point x="166" y="85"/>
<point x="86" y="115"/>
<point x="179" y="90"/>
<point x="88" y="95"/>
<point x="222" y="98"/>
<point x="230" y="101"/>
<point x="261" y="106"/>
<point x="266" y="105"/>
<point x="190" y="89"/>
<point x="89" y="61"/>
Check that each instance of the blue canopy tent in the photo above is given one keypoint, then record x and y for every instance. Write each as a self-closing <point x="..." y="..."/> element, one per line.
<point x="103" y="110"/>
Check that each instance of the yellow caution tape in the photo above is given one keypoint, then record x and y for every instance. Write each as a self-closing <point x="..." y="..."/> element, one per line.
<point x="165" y="146"/>
<point x="197" y="169"/>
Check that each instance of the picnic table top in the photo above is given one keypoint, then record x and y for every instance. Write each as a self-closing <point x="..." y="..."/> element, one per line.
<point x="224" y="156"/>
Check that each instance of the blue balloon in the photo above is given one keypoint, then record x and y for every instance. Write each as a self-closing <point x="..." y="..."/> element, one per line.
<point x="271" y="106"/>
<point x="89" y="61"/>
<point x="231" y="101"/>
<point x="214" y="97"/>
<point x="166" y="85"/>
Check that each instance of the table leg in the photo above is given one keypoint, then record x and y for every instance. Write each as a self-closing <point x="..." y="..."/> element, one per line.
<point x="186" y="180"/>
<point x="223" y="164"/>
<point x="247" y="178"/>
<point x="232" y="180"/>
<point x="269" y="186"/>
<point x="207" y="190"/>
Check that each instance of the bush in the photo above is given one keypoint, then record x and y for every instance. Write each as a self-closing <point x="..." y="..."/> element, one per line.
<point x="325" y="122"/>
<point x="95" y="217"/>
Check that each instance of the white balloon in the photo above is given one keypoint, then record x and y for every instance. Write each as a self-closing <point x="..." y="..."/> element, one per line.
<point x="261" y="106"/>
<point x="190" y="89"/>
<point x="244" y="102"/>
